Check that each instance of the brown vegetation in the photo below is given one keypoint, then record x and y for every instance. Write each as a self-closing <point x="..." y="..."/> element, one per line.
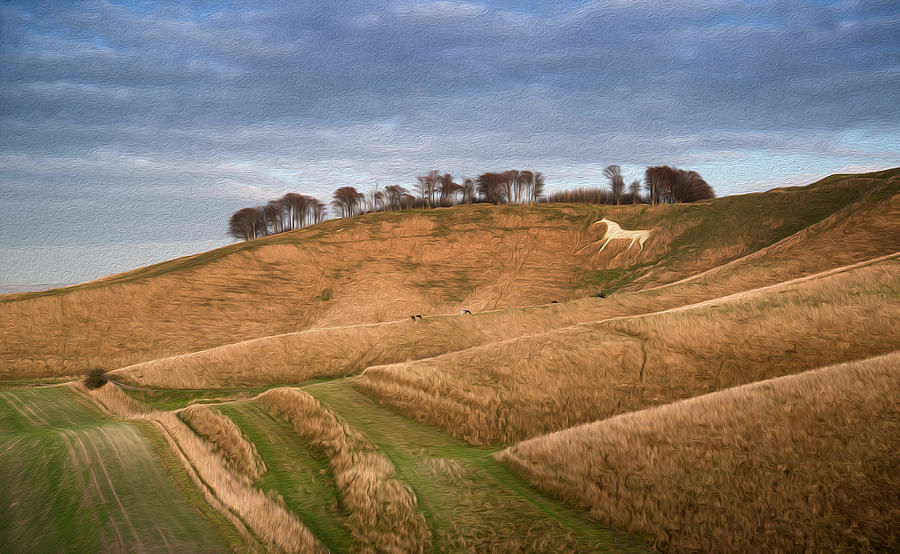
<point x="95" y="378"/>
<point x="296" y="357"/>
<point x="803" y="462"/>
<point x="510" y="390"/>
<point x="372" y="271"/>
<point x="728" y="292"/>
<point x="669" y="184"/>
<point x="240" y="454"/>
<point x="291" y="211"/>
<point x="384" y="515"/>
<point x="384" y="267"/>
<point x="337" y="351"/>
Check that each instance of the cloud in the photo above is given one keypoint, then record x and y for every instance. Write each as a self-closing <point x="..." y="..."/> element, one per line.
<point x="223" y="104"/>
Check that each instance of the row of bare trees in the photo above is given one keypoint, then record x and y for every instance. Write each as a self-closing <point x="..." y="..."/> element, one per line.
<point x="669" y="184"/>
<point x="436" y="189"/>
<point x="511" y="187"/>
<point x="661" y="184"/>
<point x="291" y="211"/>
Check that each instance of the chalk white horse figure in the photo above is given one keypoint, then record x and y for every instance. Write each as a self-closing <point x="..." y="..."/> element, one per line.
<point x="613" y="231"/>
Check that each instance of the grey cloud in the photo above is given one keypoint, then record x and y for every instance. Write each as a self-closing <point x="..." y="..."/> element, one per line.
<point x="227" y="105"/>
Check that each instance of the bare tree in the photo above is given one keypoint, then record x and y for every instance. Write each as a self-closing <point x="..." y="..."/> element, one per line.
<point x="616" y="182"/>
<point x="273" y="212"/>
<point x="394" y="195"/>
<point x="492" y="187"/>
<point x="449" y="190"/>
<point x="653" y="182"/>
<point x="510" y="182"/>
<point x="690" y="187"/>
<point x="318" y="210"/>
<point x="537" y="186"/>
<point x="298" y="209"/>
<point x="372" y="198"/>
<point x="669" y="184"/>
<point x="634" y="189"/>
<point x="468" y="190"/>
<point x="428" y="185"/>
<point x="531" y="184"/>
<point x="347" y="201"/>
<point x="407" y="201"/>
<point x="243" y="224"/>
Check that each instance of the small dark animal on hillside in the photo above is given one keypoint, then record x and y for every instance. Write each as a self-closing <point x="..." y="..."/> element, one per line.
<point x="412" y="317"/>
<point x="418" y="316"/>
<point x="465" y="312"/>
<point x="554" y="302"/>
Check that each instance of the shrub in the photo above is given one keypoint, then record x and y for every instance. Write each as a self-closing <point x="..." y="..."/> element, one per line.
<point x="95" y="378"/>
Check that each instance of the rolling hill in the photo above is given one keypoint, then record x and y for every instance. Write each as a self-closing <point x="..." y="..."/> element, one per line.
<point x="796" y="462"/>
<point x="384" y="267"/>
<point x="275" y="395"/>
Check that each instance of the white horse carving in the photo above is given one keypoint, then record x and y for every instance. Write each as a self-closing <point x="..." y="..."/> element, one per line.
<point x="613" y="231"/>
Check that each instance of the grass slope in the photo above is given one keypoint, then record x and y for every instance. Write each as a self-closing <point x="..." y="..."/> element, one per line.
<point x="509" y="390"/>
<point x="295" y="472"/>
<point x="857" y="232"/>
<point x="381" y="267"/>
<point x="74" y="480"/>
<point x="803" y="462"/>
<point x="471" y="502"/>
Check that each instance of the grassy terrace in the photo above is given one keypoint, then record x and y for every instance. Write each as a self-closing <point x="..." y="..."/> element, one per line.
<point x="469" y="500"/>
<point x="295" y="472"/>
<point x="75" y="480"/>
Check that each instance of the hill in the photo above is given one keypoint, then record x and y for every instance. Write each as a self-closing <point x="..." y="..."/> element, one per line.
<point x="517" y="388"/>
<point x="383" y="267"/>
<point x="267" y="392"/>
<point x="803" y="462"/>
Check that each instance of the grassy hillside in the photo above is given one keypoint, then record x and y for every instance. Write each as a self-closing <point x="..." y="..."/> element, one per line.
<point x="358" y="476"/>
<point x="72" y="479"/>
<point x="532" y="384"/>
<point x="383" y="267"/>
<point x="803" y="462"/>
<point x="275" y="395"/>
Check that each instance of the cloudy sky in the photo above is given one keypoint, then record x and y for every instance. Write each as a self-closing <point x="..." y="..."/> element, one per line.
<point x="129" y="132"/>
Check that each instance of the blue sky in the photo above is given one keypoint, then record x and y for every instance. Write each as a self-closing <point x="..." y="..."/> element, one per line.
<point x="130" y="131"/>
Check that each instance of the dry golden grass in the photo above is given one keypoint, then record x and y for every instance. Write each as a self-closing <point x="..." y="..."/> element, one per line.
<point x="384" y="267"/>
<point x="513" y="389"/>
<point x="805" y="462"/>
<point x="240" y="454"/>
<point x="309" y="278"/>
<point x="262" y="519"/>
<point x="383" y="511"/>
<point x="862" y="228"/>
<point x="297" y="357"/>
<point x="858" y="232"/>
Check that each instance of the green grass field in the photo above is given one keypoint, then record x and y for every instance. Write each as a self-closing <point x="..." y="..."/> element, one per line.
<point x="74" y="480"/>
<point x="295" y="472"/>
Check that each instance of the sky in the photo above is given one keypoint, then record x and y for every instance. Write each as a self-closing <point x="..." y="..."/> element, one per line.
<point x="130" y="131"/>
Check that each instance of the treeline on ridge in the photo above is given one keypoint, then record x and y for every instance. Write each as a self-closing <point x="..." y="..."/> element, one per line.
<point x="291" y="211"/>
<point x="661" y="184"/>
